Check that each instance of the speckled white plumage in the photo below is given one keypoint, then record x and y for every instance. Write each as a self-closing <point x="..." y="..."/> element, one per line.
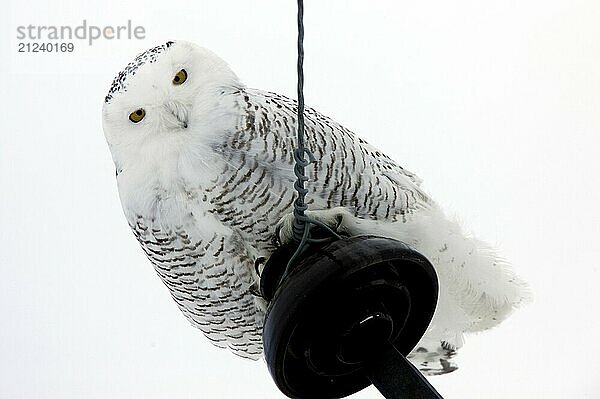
<point x="207" y="174"/>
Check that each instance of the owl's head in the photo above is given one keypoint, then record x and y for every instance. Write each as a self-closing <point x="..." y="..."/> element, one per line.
<point x="163" y="101"/>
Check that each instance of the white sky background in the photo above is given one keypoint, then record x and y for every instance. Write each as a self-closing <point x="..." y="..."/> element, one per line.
<point x="495" y="104"/>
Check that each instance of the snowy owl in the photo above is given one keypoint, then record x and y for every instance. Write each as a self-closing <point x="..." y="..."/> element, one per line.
<point x="204" y="173"/>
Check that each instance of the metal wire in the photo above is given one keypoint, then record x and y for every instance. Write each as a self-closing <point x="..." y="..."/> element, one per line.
<point x="300" y="220"/>
<point x="302" y="223"/>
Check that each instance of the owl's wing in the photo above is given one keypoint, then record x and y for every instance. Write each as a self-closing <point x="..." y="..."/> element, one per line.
<point x="348" y="171"/>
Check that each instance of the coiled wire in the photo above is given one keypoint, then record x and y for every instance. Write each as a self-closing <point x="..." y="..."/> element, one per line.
<point x="302" y="222"/>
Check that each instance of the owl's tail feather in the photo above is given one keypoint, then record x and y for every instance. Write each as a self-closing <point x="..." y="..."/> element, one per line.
<point x="478" y="289"/>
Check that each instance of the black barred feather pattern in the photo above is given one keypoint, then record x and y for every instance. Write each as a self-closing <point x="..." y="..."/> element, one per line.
<point x="208" y="281"/>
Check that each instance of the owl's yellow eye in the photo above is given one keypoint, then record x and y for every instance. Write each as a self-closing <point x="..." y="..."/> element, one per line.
<point x="137" y="115"/>
<point x="180" y="77"/>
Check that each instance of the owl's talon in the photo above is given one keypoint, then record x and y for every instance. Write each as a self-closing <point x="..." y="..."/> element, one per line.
<point x="257" y="262"/>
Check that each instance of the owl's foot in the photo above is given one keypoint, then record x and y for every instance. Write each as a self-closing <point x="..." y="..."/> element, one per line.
<point x="337" y="219"/>
<point x="433" y="358"/>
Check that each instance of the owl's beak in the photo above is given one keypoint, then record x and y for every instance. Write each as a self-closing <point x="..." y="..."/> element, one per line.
<point x="177" y="114"/>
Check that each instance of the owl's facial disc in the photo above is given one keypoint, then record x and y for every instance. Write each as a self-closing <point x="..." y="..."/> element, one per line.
<point x="165" y="102"/>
